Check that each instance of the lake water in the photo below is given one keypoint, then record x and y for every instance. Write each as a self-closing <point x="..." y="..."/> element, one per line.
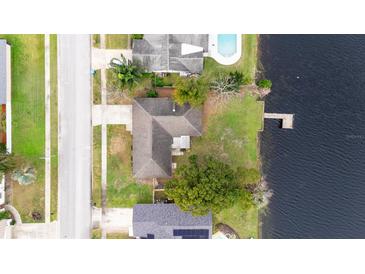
<point x="316" y="170"/>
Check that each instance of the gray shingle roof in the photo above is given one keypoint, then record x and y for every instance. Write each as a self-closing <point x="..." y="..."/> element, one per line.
<point x="160" y="220"/>
<point x="3" y="71"/>
<point x="154" y="126"/>
<point x="162" y="52"/>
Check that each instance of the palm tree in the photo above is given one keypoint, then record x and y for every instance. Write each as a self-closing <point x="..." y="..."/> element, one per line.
<point x="24" y="176"/>
<point x="128" y="73"/>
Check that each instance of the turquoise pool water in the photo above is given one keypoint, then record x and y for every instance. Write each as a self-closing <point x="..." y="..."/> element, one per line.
<point x="227" y="44"/>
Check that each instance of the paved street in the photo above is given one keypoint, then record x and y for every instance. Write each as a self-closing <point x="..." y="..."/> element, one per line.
<point x="74" y="167"/>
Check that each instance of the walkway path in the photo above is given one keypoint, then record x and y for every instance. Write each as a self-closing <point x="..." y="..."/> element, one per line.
<point x="14" y="213"/>
<point x="104" y="148"/>
<point x="47" y="155"/>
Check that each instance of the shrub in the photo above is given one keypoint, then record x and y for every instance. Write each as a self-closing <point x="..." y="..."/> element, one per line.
<point x="265" y="83"/>
<point x="228" y="83"/>
<point x="190" y="90"/>
<point x="152" y="93"/>
<point x="137" y="36"/>
<point x="158" y="81"/>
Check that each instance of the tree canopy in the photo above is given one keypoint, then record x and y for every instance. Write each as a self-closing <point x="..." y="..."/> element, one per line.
<point x="204" y="185"/>
<point x="190" y="90"/>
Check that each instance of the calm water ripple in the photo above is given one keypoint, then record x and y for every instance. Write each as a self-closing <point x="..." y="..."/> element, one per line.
<point x="317" y="170"/>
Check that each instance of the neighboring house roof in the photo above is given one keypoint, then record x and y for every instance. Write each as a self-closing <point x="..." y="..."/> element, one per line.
<point x="154" y="124"/>
<point x="167" y="221"/>
<point x="171" y="52"/>
<point x="3" y="71"/>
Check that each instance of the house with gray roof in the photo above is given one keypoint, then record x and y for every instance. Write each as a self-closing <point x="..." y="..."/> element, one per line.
<point x="167" y="221"/>
<point x="181" y="53"/>
<point x="161" y="129"/>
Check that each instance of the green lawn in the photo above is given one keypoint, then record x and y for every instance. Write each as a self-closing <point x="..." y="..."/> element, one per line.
<point x="96" y="185"/>
<point x="54" y="128"/>
<point x="97" y="87"/>
<point x="117" y="41"/>
<point x="96" y="40"/>
<point x="28" y="114"/>
<point x="119" y="235"/>
<point x="243" y="221"/>
<point x="246" y="64"/>
<point x="122" y="188"/>
<point x="231" y="135"/>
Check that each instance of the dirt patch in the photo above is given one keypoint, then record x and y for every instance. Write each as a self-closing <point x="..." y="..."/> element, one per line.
<point x="165" y="92"/>
<point x="120" y="143"/>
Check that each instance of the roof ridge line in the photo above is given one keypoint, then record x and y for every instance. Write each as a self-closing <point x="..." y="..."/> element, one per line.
<point x="189" y="121"/>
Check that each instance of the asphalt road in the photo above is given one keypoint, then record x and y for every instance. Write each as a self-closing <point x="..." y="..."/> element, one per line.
<point x="75" y="129"/>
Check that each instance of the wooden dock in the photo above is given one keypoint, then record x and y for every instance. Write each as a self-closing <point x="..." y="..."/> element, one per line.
<point x="286" y="118"/>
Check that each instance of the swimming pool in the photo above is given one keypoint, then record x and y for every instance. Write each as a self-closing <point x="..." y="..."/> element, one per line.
<point x="226" y="49"/>
<point x="227" y="44"/>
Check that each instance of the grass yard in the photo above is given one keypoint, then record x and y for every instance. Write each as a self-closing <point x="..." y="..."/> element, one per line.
<point x="96" y="40"/>
<point x="231" y="135"/>
<point x="117" y="41"/>
<point x="244" y="222"/>
<point x="54" y="128"/>
<point x="117" y="236"/>
<point x="246" y="64"/>
<point x="122" y="188"/>
<point x="96" y="185"/>
<point x="28" y="114"/>
<point x="97" y="87"/>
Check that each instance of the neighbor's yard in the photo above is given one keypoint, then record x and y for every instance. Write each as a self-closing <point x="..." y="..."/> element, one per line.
<point x="28" y="114"/>
<point x="117" y="41"/>
<point x="246" y="64"/>
<point x="122" y="188"/>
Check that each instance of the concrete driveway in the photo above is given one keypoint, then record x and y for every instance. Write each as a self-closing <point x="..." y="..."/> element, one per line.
<point x="115" y="219"/>
<point x="112" y="115"/>
<point x="102" y="57"/>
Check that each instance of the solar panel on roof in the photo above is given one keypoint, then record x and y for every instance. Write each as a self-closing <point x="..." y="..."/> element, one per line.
<point x="192" y="233"/>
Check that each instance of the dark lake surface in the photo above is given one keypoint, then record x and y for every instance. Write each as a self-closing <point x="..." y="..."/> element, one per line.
<point x="316" y="170"/>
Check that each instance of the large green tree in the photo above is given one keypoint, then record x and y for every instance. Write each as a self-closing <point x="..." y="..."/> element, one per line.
<point x="204" y="185"/>
<point x="190" y="90"/>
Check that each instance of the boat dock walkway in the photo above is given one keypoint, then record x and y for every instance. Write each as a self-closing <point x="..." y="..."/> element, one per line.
<point x="286" y="118"/>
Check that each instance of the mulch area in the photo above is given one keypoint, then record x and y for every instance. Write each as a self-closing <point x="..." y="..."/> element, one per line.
<point x="165" y="92"/>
